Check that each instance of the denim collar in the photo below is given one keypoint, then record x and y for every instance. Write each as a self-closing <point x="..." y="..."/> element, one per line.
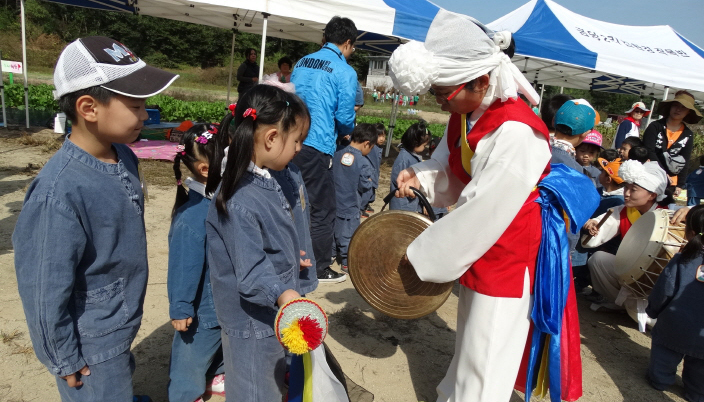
<point x="268" y="183"/>
<point x="197" y="187"/>
<point x="75" y="152"/>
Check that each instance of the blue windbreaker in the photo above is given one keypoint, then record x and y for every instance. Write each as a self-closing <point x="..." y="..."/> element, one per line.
<point x="328" y="85"/>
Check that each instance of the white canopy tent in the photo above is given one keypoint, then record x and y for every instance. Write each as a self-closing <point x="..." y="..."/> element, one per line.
<point x="555" y="46"/>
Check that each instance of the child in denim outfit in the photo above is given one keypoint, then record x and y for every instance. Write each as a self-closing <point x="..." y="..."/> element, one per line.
<point x="255" y="251"/>
<point x="676" y="302"/>
<point x="374" y="159"/>
<point x="196" y="350"/>
<point x="80" y="242"/>
<point x="353" y="186"/>
<point x="413" y="143"/>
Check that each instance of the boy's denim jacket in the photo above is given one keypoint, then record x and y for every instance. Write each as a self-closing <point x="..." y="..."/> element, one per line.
<point x="190" y="292"/>
<point x="81" y="258"/>
<point x="254" y="256"/>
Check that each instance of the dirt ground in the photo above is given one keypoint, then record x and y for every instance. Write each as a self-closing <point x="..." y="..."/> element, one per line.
<point x="395" y="360"/>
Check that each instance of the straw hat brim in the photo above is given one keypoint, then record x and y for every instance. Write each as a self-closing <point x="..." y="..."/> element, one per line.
<point x="692" y="117"/>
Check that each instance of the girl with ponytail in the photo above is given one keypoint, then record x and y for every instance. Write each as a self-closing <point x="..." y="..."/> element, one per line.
<point x="676" y="301"/>
<point x="258" y="237"/>
<point x="196" y="355"/>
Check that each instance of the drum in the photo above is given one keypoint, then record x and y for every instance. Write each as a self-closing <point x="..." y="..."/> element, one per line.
<point x="646" y="249"/>
<point x="380" y="272"/>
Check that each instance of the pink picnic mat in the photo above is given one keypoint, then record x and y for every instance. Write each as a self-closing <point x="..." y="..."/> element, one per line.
<point x="154" y="149"/>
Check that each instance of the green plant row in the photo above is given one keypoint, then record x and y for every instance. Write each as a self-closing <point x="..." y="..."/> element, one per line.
<point x="179" y="110"/>
<point x="41" y="97"/>
<point x="437" y="130"/>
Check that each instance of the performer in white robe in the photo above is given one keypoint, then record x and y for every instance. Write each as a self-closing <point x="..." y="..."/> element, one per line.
<point x="491" y="173"/>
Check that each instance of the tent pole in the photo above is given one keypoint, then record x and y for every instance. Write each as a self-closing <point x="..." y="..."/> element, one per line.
<point x="664" y="96"/>
<point x="24" y="63"/>
<point x="542" y="89"/>
<point x="562" y="89"/>
<point x="232" y="59"/>
<point x="2" y="95"/>
<point x="392" y="123"/>
<point x="261" y="57"/>
<point x="650" y="116"/>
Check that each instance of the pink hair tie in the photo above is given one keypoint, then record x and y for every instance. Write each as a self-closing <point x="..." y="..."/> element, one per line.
<point x="179" y="182"/>
<point x="250" y="112"/>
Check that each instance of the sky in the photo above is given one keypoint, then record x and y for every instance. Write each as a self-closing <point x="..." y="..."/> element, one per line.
<point x="685" y="16"/>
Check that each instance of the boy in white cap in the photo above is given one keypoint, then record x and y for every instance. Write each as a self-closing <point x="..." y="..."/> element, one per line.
<point x="644" y="188"/>
<point x="494" y="153"/>
<point x="80" y="242"/>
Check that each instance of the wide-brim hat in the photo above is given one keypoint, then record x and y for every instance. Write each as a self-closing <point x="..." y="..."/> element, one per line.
<point x="685" y="100"/>
<point x="641" y="106"/>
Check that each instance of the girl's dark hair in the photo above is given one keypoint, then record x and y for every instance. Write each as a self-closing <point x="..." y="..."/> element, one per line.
<point x="695" y="223"/>
<point x="381" y="129"/>
<point x="285" y="60"/>
<point x="416" y="135"/>
<point x="273" y="106"/>
<point x="549" y="109"/>
<point x="194" y="150"/>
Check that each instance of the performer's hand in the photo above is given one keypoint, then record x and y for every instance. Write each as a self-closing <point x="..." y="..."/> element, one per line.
<point x="406" y="179"/>
<point x="73" y="380"/>
<point x="677" y="191"/>
<point x="680" y="215"/>
<point x="287" y="296"/>
<point x="591" y="227"/>
<point x="182" y="325"/>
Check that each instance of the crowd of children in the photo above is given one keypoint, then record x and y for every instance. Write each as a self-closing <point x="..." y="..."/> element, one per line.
<point x="80" y="240"/>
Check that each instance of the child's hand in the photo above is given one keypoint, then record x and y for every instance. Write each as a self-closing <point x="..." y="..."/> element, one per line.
<point x="305" y="263"/>
<point x="591" y="227"/>
<point x="182" y="325"/>
<point x="72" y="380"/>
<point x="287" y="296"/>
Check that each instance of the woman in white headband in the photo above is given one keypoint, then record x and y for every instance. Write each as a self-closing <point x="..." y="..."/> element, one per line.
<point x="494" y="153"/>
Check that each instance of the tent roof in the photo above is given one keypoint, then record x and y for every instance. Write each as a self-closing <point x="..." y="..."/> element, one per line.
<point x="382" y="24"/>
<point x="555" y="46"/>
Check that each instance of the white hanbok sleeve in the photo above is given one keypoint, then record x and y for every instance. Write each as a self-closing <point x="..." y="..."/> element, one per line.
<point x="506" y="167"/>
<point x="607" y="231"/>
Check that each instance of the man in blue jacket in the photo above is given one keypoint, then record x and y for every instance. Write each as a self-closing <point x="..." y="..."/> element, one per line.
<point x="327" y="84"/>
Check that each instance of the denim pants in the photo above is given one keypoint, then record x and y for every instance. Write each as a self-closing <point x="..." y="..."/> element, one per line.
<point x="344" y="229"/>
<point x="110" y="380"/>
<point x="195" y="354"/>
<point x="663" y="370"/>
<point x="255" y="368"/>
<point x="316" y="169"/>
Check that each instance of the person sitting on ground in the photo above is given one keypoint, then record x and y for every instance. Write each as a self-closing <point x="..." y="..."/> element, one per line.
<point x="695" y="184"/>
<point x="549" y="108"/>
<point x="676" y="302"/>
<point x="630" y="126"/>
<point x="413" y="143"/>
<point x="586" y="154"/>
<point x="374" y="158"/>
<point x="626" y="145"/>
<point x="644" y="188"/>
<point x="353" y="186"/>
<point x="611" y="196"/>
<point x="639" y="154"/>
<point x="284" y="73"/>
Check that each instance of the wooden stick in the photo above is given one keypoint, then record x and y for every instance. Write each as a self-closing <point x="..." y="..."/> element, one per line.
<point x="598" y="226"/>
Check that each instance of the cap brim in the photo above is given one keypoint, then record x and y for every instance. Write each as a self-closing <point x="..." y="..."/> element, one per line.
<point x="143" y="83"/>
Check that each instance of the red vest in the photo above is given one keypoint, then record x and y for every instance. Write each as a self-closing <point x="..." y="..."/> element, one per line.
<point x="500" y="271"/>
<point x="625" y="223"/>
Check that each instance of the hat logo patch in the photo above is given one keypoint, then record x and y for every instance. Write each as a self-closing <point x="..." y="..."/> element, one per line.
<point x="119" y="52"/>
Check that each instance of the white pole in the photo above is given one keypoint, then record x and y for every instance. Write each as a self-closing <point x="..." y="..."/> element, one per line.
<point x="650" y="116"/>
<point x="24" y="64"/>
<point x="664" y="95"/>
<point x="562" y="89"/>
<point x="2" y="95"/>
<point x="232" y="60"/>
<point x="542" y="89"/>
<point x="261" y="54"/>
<point x="392" y="124"/>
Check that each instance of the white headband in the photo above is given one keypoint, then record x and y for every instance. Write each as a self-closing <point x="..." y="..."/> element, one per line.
<point x="648" y="175"/>
<point x="457" y="50"/>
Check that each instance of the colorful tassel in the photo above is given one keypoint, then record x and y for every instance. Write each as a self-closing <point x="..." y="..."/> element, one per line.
<point x="312" y="333"/>
<point x="293" y="338"/>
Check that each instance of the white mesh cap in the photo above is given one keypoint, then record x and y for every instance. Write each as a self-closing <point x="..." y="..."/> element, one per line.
<point x="105" y="62"/>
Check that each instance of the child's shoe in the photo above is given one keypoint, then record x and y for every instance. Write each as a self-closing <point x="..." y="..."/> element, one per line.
<point x="345" y="269"/>
<point x="365" y="214"/>
<point x="216" y="386"/>
<point x="369" y="209"/>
